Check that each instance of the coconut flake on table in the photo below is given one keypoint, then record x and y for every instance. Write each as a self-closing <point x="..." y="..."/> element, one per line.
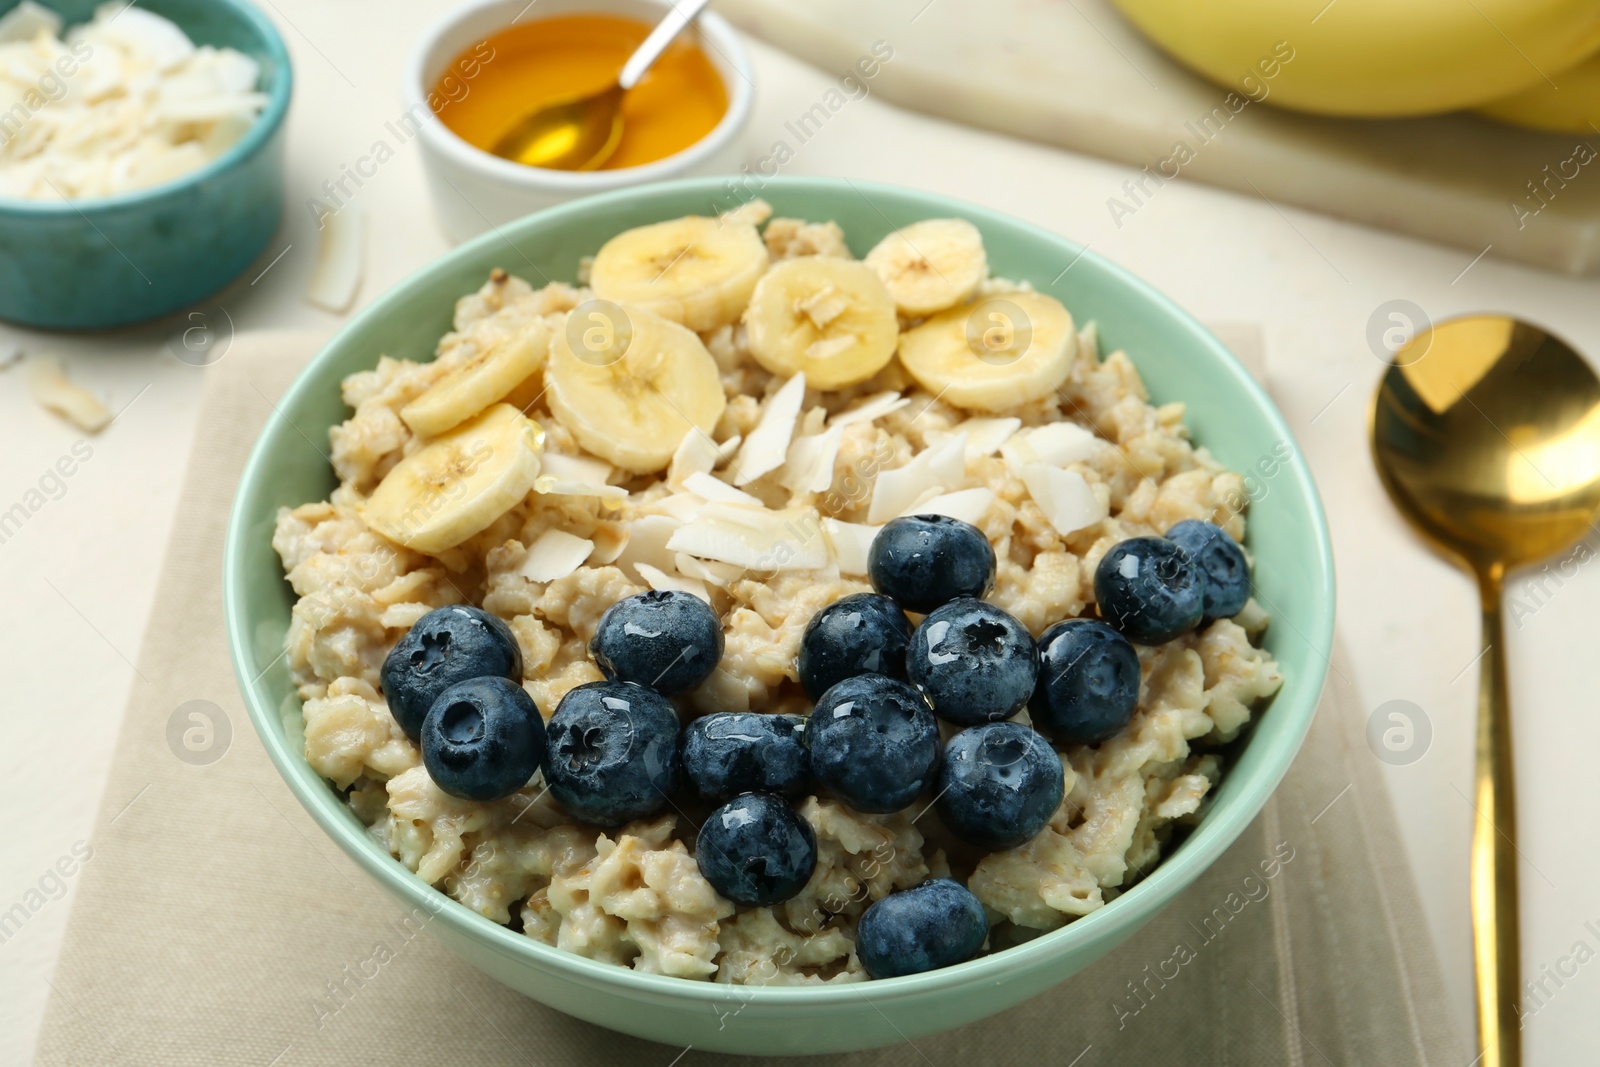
<point x="55" y="392"/>
<point x="340" y="261"/>
<point x="936" y="469"/>
<point x="768" y="444"/>
<point x="138" y="105"/>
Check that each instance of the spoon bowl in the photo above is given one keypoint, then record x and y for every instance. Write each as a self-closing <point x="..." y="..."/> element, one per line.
<point x="577" y="132"/>
<point x="1486" y="434"/>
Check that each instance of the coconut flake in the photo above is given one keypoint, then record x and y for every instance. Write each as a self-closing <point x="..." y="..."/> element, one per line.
<point x="10" y="352"/>
<point x="757" y="539"/>
<point x="809" y="468"/>
<point x="697" y="453"/>
<point x="610" y="538"/>
<point x="726" y="450"/>
<point x="851" y="543"/>
<point x="1068" y="501"/>
<point x="985" y="436"/>
<point x="647" y="543"/>
<point x="968" y="505"/>
<point x="764" y="450"/>
<point x="142" y="33"/>
<point x="339" y="261"/>
<point x="721" y="575"/>
<point x="554" y="484"/>
<point x="870" y="409"/>
<point x="718" y="491"/>
<point x="660" y="580"/>
<point x="1056" y="443"/>
<point x="577" y="469"/>
<point x="680" y="506"/>
<point x="26" y="21"/>
<point x="56" y="392"/>
<point x="555" y="554"/>
<point x="930" y="472"/>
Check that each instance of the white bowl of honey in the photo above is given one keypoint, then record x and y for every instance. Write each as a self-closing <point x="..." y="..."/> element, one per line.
<point x="487" y="64"/>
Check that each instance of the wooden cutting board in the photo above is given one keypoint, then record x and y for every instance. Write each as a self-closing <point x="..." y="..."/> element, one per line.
<point x="1074" y="74"/>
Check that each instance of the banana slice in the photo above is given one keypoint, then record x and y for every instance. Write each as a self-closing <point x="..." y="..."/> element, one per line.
<point x="491" y="375"/>
<point x="829" y="318"/>
<point x="629" y="384"/>
<point x="930" y="265"/>
<point x="456" y="485"/>
<point x="696" y="271"/>
<point x="995" y="353"/>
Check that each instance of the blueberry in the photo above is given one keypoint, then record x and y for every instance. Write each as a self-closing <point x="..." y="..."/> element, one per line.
<point x="874" y="743"/>
<point x="755" y="850"/>
<point x="613" y="752"/>
<point x="1150" y="589"/>
<point x="483" y="739"/>
<point x="667" y="640"/>
<point x="973" y="662"/>
<point x="1088" y="682"/>
<point x="925" y="560"/>
<point x="445" y="646"/>
<point x="1227" y="573"/>
<point x="732" y="752"/>
<point x="863" y="633"/>
<point x="999" y="785"/>
<point x="937" y="924"/>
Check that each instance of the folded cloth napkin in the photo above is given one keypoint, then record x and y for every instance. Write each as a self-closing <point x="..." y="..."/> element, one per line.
<point x="214" y="924"/>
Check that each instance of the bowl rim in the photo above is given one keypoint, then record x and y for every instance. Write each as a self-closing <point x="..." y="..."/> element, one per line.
<point x="1222" y="825"/>
<point x="441" y="139"/>
<point x="255" y="138"/>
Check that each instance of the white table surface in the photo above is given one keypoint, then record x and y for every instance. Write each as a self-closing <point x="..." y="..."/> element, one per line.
<point x="80" y="575"/>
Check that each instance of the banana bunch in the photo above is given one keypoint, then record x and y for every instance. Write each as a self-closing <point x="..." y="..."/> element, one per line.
<point x="993" y="354"/>
<point x="630" y="384"/>
<point x="696" y="271"/>
<point x="831" y="319"/>
<point x="458" y="483"/>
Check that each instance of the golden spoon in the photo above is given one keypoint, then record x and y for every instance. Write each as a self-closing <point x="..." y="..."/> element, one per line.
<point x="1486" y="434"/>
<point x="581" y="131"/>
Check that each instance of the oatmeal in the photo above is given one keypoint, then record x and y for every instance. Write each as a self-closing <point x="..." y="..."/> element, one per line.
<point x="743" y="436"/>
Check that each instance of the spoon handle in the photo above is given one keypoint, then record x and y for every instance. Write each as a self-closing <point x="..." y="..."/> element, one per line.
<point x="1496" y="944"/>
<point x="683" y="12"/>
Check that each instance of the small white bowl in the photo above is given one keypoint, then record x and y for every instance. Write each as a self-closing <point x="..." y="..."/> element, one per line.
<point x="474" y="190"/>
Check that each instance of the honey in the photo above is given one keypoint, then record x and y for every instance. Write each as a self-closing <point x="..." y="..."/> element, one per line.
<point x="679" y="101"/>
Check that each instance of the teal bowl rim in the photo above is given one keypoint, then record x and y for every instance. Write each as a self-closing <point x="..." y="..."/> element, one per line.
<point x="1132" y="909"/>
<point x="259" y="134"/>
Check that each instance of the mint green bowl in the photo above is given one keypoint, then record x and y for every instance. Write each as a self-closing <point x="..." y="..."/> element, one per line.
<point x="110" y="261"/>
<point x="1179" y="360"/>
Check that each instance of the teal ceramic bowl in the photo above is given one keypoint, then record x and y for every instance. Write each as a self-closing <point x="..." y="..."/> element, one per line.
<point x="94" y="263"/>
<point x="1179" y="360"/>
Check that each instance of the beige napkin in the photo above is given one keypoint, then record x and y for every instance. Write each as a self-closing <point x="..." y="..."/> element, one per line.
<point x="214" y="924"/>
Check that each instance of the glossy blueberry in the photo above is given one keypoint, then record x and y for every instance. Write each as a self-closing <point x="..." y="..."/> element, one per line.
<point x="1150" y="589"/>
<point x="732" y="752"/>
<point x="874" y="743"/>
<point x="937" y="924"/>
<point x="445" y="646"/>
<point x="1227" y="572"/>
<point x="613" y="752"/>
<point x="755" y="850"/>
<point x="999" y="784"/>
<point x="483" y="739"/>
<point x="1088" y="682"/>
<point x="667" y="640"/>
<point x="863" y="633"/>
<point x="925" y="560"/>
<point x="973" y="662"/>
